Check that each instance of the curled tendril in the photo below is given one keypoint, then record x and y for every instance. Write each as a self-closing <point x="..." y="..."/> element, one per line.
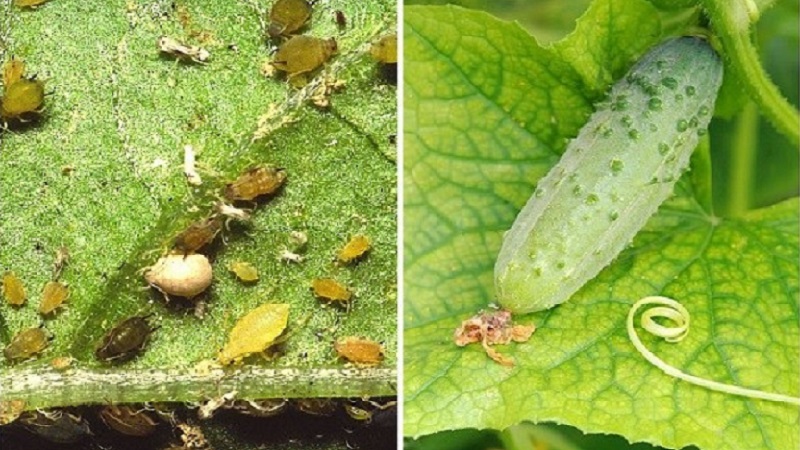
<point x="675" y="312"/>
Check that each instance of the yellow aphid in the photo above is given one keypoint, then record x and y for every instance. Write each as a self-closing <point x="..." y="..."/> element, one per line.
<point x="385" y="49"/>
<point x="61" y="362"/>
<point x="21" y="99"/>
<point x="10" y="410"/>
<point x="244" y="271"/>
<point x="29" y="3"/>
<point x="357" y="247"/>
<point x="54" y="295"/>
<point x="288" y="16"/>
<point x="331" y="290"/>
<point x="13" y="290"/>
<point x="12" y="71"/>
<point x="359" y="351"/>
<point x="26" y="344"/>
<point x="255" y="332"/>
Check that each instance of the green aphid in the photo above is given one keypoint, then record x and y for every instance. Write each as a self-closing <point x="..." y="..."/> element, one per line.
<point x="301" y="55"/>
<point x="288" y="16"/>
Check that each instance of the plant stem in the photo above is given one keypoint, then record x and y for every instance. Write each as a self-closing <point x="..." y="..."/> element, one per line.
<point x="731" y="23"/>
<point x="743" y="160"/>
<point x="48" y="388"/>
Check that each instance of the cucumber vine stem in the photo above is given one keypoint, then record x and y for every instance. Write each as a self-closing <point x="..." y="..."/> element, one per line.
<point x="731" y="20"/>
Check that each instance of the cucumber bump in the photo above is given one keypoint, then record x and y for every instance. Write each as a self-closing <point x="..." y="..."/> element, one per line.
<point x="612" y="177"/>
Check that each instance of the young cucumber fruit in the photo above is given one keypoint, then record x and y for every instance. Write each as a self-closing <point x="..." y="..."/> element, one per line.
<point x="612" y="177"/>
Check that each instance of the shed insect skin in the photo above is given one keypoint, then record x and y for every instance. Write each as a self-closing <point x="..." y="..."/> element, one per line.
<point x="183" y="52"/>
<point x="125" y="340"/>
<point x="127" y="420"/>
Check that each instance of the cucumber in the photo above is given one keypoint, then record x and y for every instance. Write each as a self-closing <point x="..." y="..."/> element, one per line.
<point x="612" y="177"/>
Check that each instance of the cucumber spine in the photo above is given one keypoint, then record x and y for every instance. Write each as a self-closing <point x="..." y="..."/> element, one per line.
<point x="612" y="177"/>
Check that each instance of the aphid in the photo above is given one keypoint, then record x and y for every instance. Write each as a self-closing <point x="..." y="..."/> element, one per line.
<point x="128" y="420"/>
<point x="385" y="49"/>
<point x="61" y="362"/>
<point x="61" y="260"/>
<point x="286" y="255"/>
<point x="179" y="275"/>
<point x="288" y="16"/>
<point x="192" y="177"/>
<point x="10" y="410"/>
<point x="198" y="235"/>
<point x="316" y="406"/>
<point x="340" y="19"/>
<point x="22" y="100"/>
<point x="302" y="54"/>
<point x="354" y="250"/>
<point x="357" y="413"/>
<point x="255" y="332"/>
<point x="232" y="212"/>
<point x="244" y="271"/>
<point x="182" y="51"/>
<point x="56" y="426"/>
<point x="255" y="182"/>
<point x="29" y="3"/>
<point x="54" y="294"/>
<point x="330" y="290"/>
<point x="13" y="290"/>
<point x="298" y="239"/>
<point x="360" y="351"/>
<point x="125" y="340"/>
<point x="491" y="328"/>
<point x="12" y="71"/>
<point x="26" y="344"/>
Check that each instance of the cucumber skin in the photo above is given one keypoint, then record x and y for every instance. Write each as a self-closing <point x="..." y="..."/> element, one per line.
<point x="612" y="177"/>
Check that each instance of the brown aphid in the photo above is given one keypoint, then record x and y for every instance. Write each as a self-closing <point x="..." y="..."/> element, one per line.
<point x="359" y="351"/>
<point x="12" y="71"/>
<point x="29" y="3"/>
<point x="198" y="235"/>
<point x="354" y="250"/>
<point x="302" y="54"/>
<point x="340" y="19"/>
<point x="128" y="420"/>
<point x="181" y="51"/>
<point x="330" y="290"/>
<point x="27" y="343"/>
<point x="56" y="425"/>
<point x="244" y="271"/>
<point x="288" y="16"/>
<point x="255" y="182"/>
<point x="13" y="290"/>
<point x="54" y="294"/>
<point x="125" y="340"/>
<point x="384" y="50"/>
<point x="22" y="100"/>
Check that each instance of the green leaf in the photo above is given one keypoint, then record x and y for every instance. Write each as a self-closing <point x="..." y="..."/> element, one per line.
<point x="119" y="115"/>
<point x="467" y="173"/>
<point x="608" y="38"/>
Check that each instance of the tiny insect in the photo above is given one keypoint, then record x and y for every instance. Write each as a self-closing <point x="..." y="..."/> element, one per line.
<point x="54" y="294"/>
<point x="316" y="406"/>
<point x="358" y="413"/>
<point x="61" y="260"/>
<point x="244" y="271"/>
<point x="255" y="332"/>
<point x="56" y="426"/>
<point x="61" y="362"/>
<point x="198" y="235"/>
<point x="26" y="344"/>
<point x="182" y="276"/>
<point x="385" y="49"/>
<point x="182" y="51"/>
<point x="125" y="340"/>
<point x="29" y="3"/>
<point x="12" y="71"/>
<point x="13" y="289"/>
<point x="354" y="250"/>
<point x="340" y="19"/>
<point x="128" y="420"/>
<point x="232" y="212"/>
<point x="301" y="55"/>
<point x="359" y="351"/>
<point x="288" y="16"/>
<point x="10" y="410"/>
<point x="330" y="290"/>
<point x="22" y="100"/>
<point x="255" y="182"/>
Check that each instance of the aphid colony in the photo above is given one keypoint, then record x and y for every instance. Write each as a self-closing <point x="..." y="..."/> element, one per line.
<point x="23" y="97"/>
